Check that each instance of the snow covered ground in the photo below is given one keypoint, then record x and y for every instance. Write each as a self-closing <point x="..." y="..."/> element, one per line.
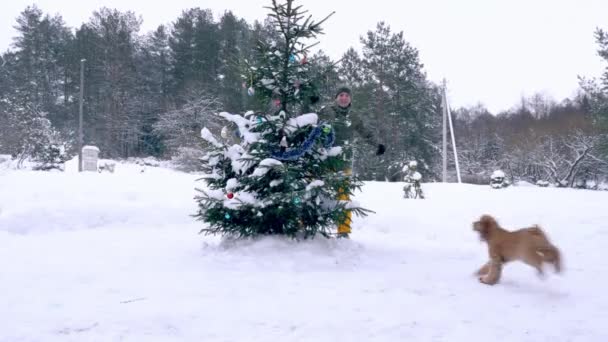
<point x="116" y="257"/>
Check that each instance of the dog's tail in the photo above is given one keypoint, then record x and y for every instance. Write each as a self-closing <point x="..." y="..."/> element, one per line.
<point x="536" y="230"/>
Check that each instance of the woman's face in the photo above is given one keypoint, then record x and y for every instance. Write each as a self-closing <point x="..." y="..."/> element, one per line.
<point x="343" y="99"/>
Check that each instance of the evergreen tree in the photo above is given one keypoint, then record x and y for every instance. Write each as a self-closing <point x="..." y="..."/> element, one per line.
<point x="29" y="134"/>
<point x="32" y="82"/>
<point x="154" y="86"/>
<point x="401" y="104"/>
<point x="233" y="35"/>
<point x="280" y="178"/>
<point x="181" y="43"/>
<point x="599" y="94"/>
<point x="114" y="105"/>
<point x="351" y="68"/>
<point x="195" y="47"/>
<point x="324" y="74"/>
<point x="41" y="66"/>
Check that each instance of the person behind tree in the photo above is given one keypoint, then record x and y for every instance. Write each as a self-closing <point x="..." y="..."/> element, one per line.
<point x="345" y="125"/>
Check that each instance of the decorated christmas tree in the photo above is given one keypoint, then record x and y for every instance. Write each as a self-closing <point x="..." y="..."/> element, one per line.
<point x="277" y="172"/>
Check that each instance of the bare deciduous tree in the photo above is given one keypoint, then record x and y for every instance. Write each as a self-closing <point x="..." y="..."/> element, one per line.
<point x="563" y="158"/>
<point x="181" y="127"/>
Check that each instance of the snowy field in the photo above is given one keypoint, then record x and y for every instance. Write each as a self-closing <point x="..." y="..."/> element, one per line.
<point x="116" y="257"/>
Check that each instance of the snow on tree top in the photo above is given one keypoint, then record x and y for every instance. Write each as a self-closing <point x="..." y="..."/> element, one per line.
<point x="352" y="205"/>
<point x="315" y="184"/>
<point x="334" y="151"/>
<point x="267" y="81"/>
<point x="213" y="161"/>
<point x="269" y="162"/>
<point x="498" y="174"/>
<point x="244" y="198"/>
<point x="413" y="163"/>
<point x="264" y="166"/>
<point x="215" y="193"/>
<point x="300" y="121"/>
<point x="243" y="125"/>
<point x="231" y="184"/>
<point x="212" y="175"/>
<point x="235" y="153"/>
<point x="276" y="182"/>
<point x="206" y="134"/>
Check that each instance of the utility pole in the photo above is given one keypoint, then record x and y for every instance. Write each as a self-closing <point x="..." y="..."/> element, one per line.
<point x="447" y="116"/>
<point x="80" y="135"/>
<point x="445" y="133"/>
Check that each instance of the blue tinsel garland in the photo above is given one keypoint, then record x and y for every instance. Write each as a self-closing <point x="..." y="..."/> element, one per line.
<point x="296" y="153"/>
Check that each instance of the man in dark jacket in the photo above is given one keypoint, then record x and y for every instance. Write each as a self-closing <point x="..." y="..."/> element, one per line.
<point x="345" y="124"/>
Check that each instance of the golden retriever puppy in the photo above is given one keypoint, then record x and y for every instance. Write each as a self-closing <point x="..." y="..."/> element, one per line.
<point x="529" y="245"/>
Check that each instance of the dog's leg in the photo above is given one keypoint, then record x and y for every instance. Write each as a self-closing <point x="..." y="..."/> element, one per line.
<point x="535" y="258"/>
<point x="484" y="269"/>
<point x="494" y="272"/>
<point x="494" y="267"/>
<point x="557" y="262"/>
<point x="551" y="255"/>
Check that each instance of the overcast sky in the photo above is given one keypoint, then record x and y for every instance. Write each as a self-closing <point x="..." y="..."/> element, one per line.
<point x="490" y="51"/>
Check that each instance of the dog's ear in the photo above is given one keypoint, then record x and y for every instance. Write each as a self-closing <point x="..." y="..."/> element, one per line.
<point x="488" y="222"/>
<point x="484" y="225"/>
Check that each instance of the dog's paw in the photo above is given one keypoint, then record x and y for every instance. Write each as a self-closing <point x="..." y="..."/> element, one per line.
<point x="541" y="274"/>
<point x="480" y="273"/>
<point x="483" y="280"/>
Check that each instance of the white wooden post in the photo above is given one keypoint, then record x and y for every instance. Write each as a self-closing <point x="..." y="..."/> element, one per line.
<point x="90" y="156"/>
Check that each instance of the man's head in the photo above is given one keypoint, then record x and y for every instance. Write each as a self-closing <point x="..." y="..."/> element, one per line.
<point x="343" y="97"/>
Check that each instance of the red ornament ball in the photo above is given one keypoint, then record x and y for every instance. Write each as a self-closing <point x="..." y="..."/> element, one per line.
<point x="230" y="195"/>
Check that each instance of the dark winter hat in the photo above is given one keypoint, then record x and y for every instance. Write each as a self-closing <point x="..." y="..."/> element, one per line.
<point x="343" y="89"/>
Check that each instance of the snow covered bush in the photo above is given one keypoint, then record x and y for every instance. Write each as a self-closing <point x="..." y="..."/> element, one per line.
<point x="498" y="180"/>
<point x="188" y="159"/>
<point x="542" y="183"/>
<point x="412" y="178"/>
<point x="5" y="161"/>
